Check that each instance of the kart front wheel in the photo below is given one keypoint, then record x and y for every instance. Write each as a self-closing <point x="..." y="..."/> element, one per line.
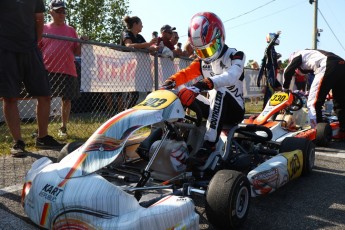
<point x="323" y="134"/>
<point x="307" y="147"/>
<point x="227" y="199"/>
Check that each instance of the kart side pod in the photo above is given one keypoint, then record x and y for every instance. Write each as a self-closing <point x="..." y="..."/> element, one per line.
<point x="275" y="172"/>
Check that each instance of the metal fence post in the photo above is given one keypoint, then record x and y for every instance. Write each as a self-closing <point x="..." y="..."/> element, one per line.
<point x="155" y="66"/>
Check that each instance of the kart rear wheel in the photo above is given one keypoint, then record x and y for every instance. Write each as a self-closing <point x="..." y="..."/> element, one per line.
<point x="228" y="199"/>
<point x="307" y="147"/>
<point x="68" y="148"/>
<point x="323" y="134"/>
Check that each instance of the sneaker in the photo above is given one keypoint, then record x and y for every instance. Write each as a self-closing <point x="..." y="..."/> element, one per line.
<point x="48" y="142"/>
<point x="18" y="149"/>
<point x="62" y="132"/>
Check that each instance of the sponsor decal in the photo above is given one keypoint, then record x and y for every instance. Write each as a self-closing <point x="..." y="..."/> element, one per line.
<point x="216" y="110"/>
<point x="295" y="162"/>
<point x="50" y="192"/>
<point x="264" y="182"/>
<point x="234" y="91"/>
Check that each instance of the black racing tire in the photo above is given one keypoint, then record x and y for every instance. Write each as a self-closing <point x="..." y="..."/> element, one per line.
<point x="323" y="134"/>
<point x="228" y="199"/>
<point x="307" y="147"/>
<point x="68" y="148"/>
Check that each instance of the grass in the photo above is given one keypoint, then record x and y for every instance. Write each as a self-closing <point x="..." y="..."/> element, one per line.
<point x="79" y="128"/>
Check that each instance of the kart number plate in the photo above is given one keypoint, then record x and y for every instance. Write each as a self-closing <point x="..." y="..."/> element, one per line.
<point x="278" y="98"/>
<point x="159" y="99"/>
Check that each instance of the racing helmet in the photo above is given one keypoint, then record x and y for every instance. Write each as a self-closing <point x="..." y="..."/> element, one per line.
<point x="269" y="38"/>
<point x="207" y="35"/>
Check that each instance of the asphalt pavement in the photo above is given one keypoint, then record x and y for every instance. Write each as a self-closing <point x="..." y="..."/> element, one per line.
<point x="316" y="201"/>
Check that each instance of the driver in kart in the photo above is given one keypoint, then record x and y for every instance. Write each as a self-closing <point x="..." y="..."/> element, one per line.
<point x="329" y="70"/>
<point x="222" y="69"/>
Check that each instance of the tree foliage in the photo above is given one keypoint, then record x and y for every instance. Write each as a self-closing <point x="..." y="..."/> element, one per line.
<point x="100" y="20"/>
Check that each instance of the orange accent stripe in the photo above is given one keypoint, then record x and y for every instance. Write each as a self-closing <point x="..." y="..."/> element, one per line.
<point x="270" y="124"/>
<point x="73" y="169"/>
<point x="160" y="201"/>
<point x="115" y="119"/>
<point x="44" y="214"/>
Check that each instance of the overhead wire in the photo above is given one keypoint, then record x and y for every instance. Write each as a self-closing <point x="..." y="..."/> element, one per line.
<point x="238" y="16"/>
<point x="331" y="29"/>
<point x="277" y="12"/>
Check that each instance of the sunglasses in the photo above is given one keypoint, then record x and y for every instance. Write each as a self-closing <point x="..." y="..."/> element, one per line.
<point x="168" y="31"/>
<point x="60" y="11"/>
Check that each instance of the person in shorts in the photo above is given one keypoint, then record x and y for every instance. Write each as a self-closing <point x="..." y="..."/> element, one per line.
<point x="21" y="24"/>
<point x="58" y="57"/>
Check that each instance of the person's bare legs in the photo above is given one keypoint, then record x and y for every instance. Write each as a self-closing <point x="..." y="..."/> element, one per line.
<point x="65" y="110"/>
<point x="42" y="113"/>
<point x="11" y="113"/>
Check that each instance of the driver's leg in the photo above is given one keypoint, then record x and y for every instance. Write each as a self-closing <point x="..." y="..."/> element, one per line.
<point x="223" y="109"/>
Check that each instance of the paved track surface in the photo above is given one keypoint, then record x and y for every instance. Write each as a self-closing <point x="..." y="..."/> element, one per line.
<point x="313" y="202"/>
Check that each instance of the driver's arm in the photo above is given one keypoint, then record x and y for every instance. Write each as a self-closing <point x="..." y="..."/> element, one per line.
<point x="290" y="70"/>
<point x="231" y="74"/>
<point x="187" y="74"/>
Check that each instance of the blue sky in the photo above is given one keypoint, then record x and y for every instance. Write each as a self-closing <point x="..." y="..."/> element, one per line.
<point x="248" y="21"/>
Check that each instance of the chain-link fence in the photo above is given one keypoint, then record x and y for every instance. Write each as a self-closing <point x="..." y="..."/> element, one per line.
<point x="111" y="78"/>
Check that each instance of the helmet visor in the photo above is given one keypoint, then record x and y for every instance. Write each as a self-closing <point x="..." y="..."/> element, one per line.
<point x="208" y="50"/>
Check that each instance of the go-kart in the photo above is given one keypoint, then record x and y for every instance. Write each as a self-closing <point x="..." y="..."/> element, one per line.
<point x="131" y="173"/>
<point x="287" y="116"/>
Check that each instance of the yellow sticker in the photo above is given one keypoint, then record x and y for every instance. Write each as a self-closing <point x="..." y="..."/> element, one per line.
<point x="278" y="98"/>
<point x="159" y="99"/>
<point x="295" y="163"/>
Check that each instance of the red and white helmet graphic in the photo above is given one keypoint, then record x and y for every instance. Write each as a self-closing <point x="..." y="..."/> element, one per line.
<point x="207" y="35"/>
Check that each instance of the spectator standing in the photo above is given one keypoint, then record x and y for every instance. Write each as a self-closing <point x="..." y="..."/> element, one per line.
<point x="58" y="57"/>
<point x="174" y="41"/>
<point x="188" y="50"/>
<point x="329" y="70"/>
<point x="21" y="24"/>
<point x="131" y="38"/>
<point x="166" y="48"/>
<point x="223" y="71"/>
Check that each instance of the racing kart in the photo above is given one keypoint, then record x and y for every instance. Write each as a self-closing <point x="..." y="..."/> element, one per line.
<point x="121" y="178"/>
<point x="287" y="116"/>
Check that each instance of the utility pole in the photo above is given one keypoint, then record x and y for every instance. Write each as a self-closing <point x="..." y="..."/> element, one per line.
<point x="315" y="30"/>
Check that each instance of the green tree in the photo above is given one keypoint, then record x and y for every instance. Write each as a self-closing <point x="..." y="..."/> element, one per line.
<point x="100" y="20"/>
<point x="285" y="63"/>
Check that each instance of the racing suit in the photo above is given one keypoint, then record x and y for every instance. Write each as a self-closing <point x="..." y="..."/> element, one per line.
<point x="329" y="70"/>
<point x="225" y="103"/>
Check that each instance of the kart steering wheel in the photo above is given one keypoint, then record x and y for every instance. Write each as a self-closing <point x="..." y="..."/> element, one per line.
<point x="198" y="113"/>
<point x="297" y="103"/>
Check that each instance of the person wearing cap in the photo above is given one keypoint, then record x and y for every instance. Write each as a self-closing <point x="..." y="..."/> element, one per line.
<point x="166" y="35"/>
<point x="59" y="56"/>
<point x="222" y="69"/>
<point x="21" y="24"/>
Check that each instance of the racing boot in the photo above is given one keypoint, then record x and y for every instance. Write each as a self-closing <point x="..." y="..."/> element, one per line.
<point x="199" y="159"/>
